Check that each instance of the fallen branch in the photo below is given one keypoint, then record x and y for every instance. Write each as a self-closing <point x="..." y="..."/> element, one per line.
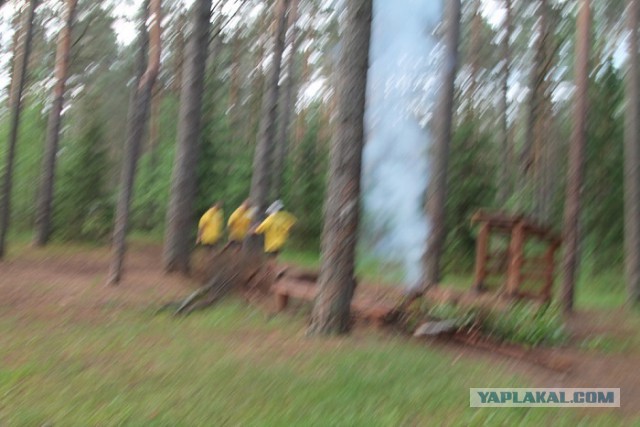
<point x="202" y="297"/>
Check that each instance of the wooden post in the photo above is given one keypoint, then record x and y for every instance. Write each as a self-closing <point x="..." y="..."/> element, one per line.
<point x="482" y="249"/>
<point x="549" y="270"/>
<point x="282" y="300"/>
<point x="516" y="257"/>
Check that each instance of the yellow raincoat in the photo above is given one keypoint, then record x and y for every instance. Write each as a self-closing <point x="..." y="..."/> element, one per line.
<point x="276" y="229"/>
<point x="210" y="226"/>
<point x="239" y="223"/>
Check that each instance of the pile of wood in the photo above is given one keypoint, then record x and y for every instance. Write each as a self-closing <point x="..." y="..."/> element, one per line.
<point x="223" y="272"/>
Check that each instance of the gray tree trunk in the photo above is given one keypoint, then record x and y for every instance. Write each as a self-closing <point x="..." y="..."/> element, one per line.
<point x="437" y="189"/>
<point x="137" y="122"/>
<point x="262" y="160"/>
<point x="331" y="310"/>
<point x="287" y="106"/>
<point x="47" y="178"/>
<point x="180" y="215"/>
<point x="575" y="170"/>
<point x="632" y="162"/>
<point x="504" y="186"/>
<point x="535" y="168"/>
<point x="22" y="51"/>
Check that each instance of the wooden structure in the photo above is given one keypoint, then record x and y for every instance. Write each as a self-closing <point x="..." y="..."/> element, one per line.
<point x="363" y="307"/>
<point x="512" y="264"/>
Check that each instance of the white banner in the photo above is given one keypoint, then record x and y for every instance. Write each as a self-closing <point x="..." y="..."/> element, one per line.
<point x="544" y="397"/>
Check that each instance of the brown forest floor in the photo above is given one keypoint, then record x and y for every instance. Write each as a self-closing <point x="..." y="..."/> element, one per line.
<point x="68" y="286"/>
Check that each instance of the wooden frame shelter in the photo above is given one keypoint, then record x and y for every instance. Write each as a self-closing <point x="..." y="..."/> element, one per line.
<point x="512" y="264"/>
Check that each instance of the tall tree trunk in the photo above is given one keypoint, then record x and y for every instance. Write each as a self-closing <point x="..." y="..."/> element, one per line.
<point x="178" y="57"/>
<point x="331" y="310"/>
<point x="180" y="215"/>
<point x="632" y="162"/>
<point x="533" y="159"/>
<point x="504" y="186"/>
<point x="262" y="160"/>
<point x="576" y="159"/>
<point x="19" y="75"/>
<point x="154" y="125"/>
<point x="437" y="189"/>
<point x="287" y="106"/>
<point x="475" y="54"/>
<point x="47" y="178"/>
<point x="138" y="118"/>
<point x="234" y="85"/>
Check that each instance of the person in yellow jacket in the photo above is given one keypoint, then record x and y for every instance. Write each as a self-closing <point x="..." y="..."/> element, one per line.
<point x="275" y="228"/>
<point x="239" y="223"/>
<point x="210" y="226"/>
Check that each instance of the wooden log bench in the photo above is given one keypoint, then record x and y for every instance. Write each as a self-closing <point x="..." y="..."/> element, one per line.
<point x="362" y="308"/>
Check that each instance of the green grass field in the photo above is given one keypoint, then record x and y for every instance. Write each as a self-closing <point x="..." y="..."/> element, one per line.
<point x="123" y="365"/>
<point x="230" y="366"/>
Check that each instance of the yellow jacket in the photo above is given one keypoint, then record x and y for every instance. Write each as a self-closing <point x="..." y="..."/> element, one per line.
<point x="210" y="226"/>
<point x="239" y="223"/>
<point x="276" y="230"/>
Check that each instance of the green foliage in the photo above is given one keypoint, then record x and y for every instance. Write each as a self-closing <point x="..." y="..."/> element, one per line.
<point x="225" y="163"/>
<point x="522" y="323"/>
<point x="305" y="182"/>
<point x="84" y="206"/>
<point x="604" y="186"/>
<point x="471" y="186"/>
<point x="26" y="172"/>
<point x="151" y="193"/>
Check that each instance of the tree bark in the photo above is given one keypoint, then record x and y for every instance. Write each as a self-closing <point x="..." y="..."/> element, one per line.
<point x="437" y="189"/>
<point x="331" y="310"/>
<point x="504" y="186"/>
<point x="475" y="54"/>
<point x="262" y="160"/>
<point x="534" y="169"/>
<point x="47" y="178"/>
<point x="137" y="122"/>
<point x="632" y="161"/>
<point x="180" y="215"/>
<point x="20" y="63"/>
<point x="287" y="107"/>
<point x="576" y="159"/>
<point x="179" y="46"/>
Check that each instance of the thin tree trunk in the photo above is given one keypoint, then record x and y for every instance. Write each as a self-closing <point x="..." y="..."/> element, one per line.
<point x="300" y="126"/>
<point x="437" y="189"/>
<point x="331" y="310"/>
<point x="138" y="118"/>
<point x="234" y="86"/>
<point x="154" y="125"/>
<point x="533" y="159"/>
<point x="179" y="46"/>
<point x="575" y="170"/>
<point x="21" y="60"/>
<point x="180" y="215"/>
<point x="262" y="161"/>
<point x="632" y="162"/>
<point x="287" y="107"/>
<point x="504" y="186"/>
<point x="475" y="52"/>
<point x="47" y="178"/>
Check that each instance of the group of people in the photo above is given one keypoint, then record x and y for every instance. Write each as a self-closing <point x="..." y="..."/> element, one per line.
<point x="243" y="222"/>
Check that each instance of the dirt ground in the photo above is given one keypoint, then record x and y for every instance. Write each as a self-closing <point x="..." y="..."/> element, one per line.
<point x="71" y="285"/>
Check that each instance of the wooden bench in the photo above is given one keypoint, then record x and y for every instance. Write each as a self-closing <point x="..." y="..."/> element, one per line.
<point x="361" y="307"/>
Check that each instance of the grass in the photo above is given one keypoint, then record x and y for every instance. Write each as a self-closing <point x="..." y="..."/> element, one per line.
<point x="233" y="365"/>
<point x="229" y="366"/>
